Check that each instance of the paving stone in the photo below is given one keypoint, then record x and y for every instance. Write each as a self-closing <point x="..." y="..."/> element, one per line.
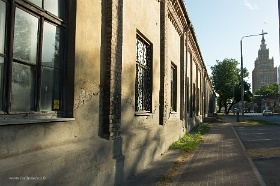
<point x="219" y="160"/>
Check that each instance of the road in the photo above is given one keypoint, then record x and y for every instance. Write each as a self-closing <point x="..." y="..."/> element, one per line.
<point x="263" y="139"/>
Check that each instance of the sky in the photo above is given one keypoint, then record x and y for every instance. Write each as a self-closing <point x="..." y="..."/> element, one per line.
<point x="220" y="24"/>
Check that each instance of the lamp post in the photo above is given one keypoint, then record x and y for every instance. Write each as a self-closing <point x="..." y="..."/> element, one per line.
<point x="232" y="107"/>
<point x="242" y="82"/>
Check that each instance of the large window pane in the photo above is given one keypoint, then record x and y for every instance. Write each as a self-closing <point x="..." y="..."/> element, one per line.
<point x="53" y="46"/>
<point x="52" y="59"/>
<point x="2" y="25"/>
<point x="56" y="7"/>
<point x="50" y="89"/>
<point x="1" y="79"/>
<point x="2" y="43"/>
<point x="22" y="87"/>
<point x="37" y="2"/>
<point x="25" y="36"/>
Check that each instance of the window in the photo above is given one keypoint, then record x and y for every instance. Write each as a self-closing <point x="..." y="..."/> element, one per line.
<point x="193" y="98"/>
<point x="173" y="84"/>
<point x="188" y="94"/>
<point x="34" y="82"/>
<point x="143" y="92"/>
<point x="2" y="44"/>
<point x="56" y="7"/>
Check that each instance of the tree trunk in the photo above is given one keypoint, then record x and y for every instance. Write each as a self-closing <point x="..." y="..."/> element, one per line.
<point x="230" y="106"/>
<point x="225" y="104"/>
<point x="220" y="106"/>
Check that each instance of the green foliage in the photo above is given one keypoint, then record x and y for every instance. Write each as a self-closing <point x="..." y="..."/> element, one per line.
<point x="187" y="142"/>
<point x="191" y="141"/>
<point x="227" y="83"/>
<point x="247" y="92"/>
<point x="257" y="122"/>
<point x="267" y="90"/>
<point x="224" y="76"/>
<point x="201" y="129"/>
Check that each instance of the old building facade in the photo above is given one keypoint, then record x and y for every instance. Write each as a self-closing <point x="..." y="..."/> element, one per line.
<point x="264" y="71"/>
<point x="94" y="91"/>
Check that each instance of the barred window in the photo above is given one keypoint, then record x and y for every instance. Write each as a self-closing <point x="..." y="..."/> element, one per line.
<point x="173" y="84"/>
<point x="34" y="55"/>
<point x="143" y="92"/>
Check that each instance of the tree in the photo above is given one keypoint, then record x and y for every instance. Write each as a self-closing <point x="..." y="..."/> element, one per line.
<point x="267" y="90"/>
<point x="227" y="83"/>
<point x="237" y="93"/>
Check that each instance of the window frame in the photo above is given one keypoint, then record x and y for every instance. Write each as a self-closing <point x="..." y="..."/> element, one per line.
<point x="147" y="103"/>
<point x="4" y="56"/>
<point x="173" y="88"/>
<point x="34" y="113"/>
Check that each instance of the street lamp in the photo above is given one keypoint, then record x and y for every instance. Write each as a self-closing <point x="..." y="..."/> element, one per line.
<point x="242" y="83"/>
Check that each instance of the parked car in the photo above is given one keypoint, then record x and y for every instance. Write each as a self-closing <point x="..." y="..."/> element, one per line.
<point x="267" y="113"/>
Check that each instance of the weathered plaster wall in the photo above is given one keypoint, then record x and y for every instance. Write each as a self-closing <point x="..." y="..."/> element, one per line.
<point x="144" y="138"/>
<point x="87" y="68"/>
<point x="25" y="138"/>
<point x="67" y="153"/>
<point x="174" y="57"/>
<point x="145" y="21"/>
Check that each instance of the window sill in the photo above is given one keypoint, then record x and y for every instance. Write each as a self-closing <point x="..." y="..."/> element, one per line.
<point x="143" y="114"/>
<point x="173" y="112"/>
<point x="17" y="119"/>
<point x="33" y="121"/>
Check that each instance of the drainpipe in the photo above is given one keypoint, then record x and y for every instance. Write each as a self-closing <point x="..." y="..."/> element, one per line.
<point x="186" y="79"/>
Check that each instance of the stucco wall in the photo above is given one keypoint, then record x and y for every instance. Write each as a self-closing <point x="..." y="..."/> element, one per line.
<point x="18" y="139"/>
<point x="69" y="152"/>
<point x="143" y="138"/>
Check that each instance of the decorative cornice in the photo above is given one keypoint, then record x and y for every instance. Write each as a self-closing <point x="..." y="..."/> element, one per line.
<point x="177" y="16"/>
<point x="195" y="51"/>
<point x="175" y="23"/>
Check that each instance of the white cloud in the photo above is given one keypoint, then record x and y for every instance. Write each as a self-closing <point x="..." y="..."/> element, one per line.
<point x="250" y="5"/>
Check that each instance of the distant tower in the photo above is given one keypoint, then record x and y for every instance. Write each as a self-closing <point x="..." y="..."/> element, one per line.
<point x="264" y="71"/>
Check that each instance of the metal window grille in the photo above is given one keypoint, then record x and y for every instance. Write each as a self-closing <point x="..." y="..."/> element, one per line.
<point x="143" y="95"/>
<point x="173" y="88"/>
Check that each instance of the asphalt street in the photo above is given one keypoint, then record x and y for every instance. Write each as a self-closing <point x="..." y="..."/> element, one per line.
<point x="257" y="137"/>
<point x="258" y="116"/>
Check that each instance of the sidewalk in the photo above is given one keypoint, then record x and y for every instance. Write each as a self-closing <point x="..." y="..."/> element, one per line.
<point x="219" y="160"/>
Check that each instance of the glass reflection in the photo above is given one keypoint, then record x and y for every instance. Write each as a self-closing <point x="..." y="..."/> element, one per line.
<point x="50" y="88"/>
<point x="37" y="2"/>
<point x="56" y="7"/>
<point x="2" y="25"/>
<point x="1" y="79"/>
<point x="52" y="52"/>
<point x="22" y="87"/>
<point x="52" y="59"/>
<point x="25" y="36"/>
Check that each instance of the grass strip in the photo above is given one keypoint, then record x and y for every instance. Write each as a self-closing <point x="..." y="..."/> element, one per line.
<point x="256" y="122"/>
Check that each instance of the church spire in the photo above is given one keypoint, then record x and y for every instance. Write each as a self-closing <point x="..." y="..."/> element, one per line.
<point x="263" y="45"/>
<point x="263" y="40"/>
